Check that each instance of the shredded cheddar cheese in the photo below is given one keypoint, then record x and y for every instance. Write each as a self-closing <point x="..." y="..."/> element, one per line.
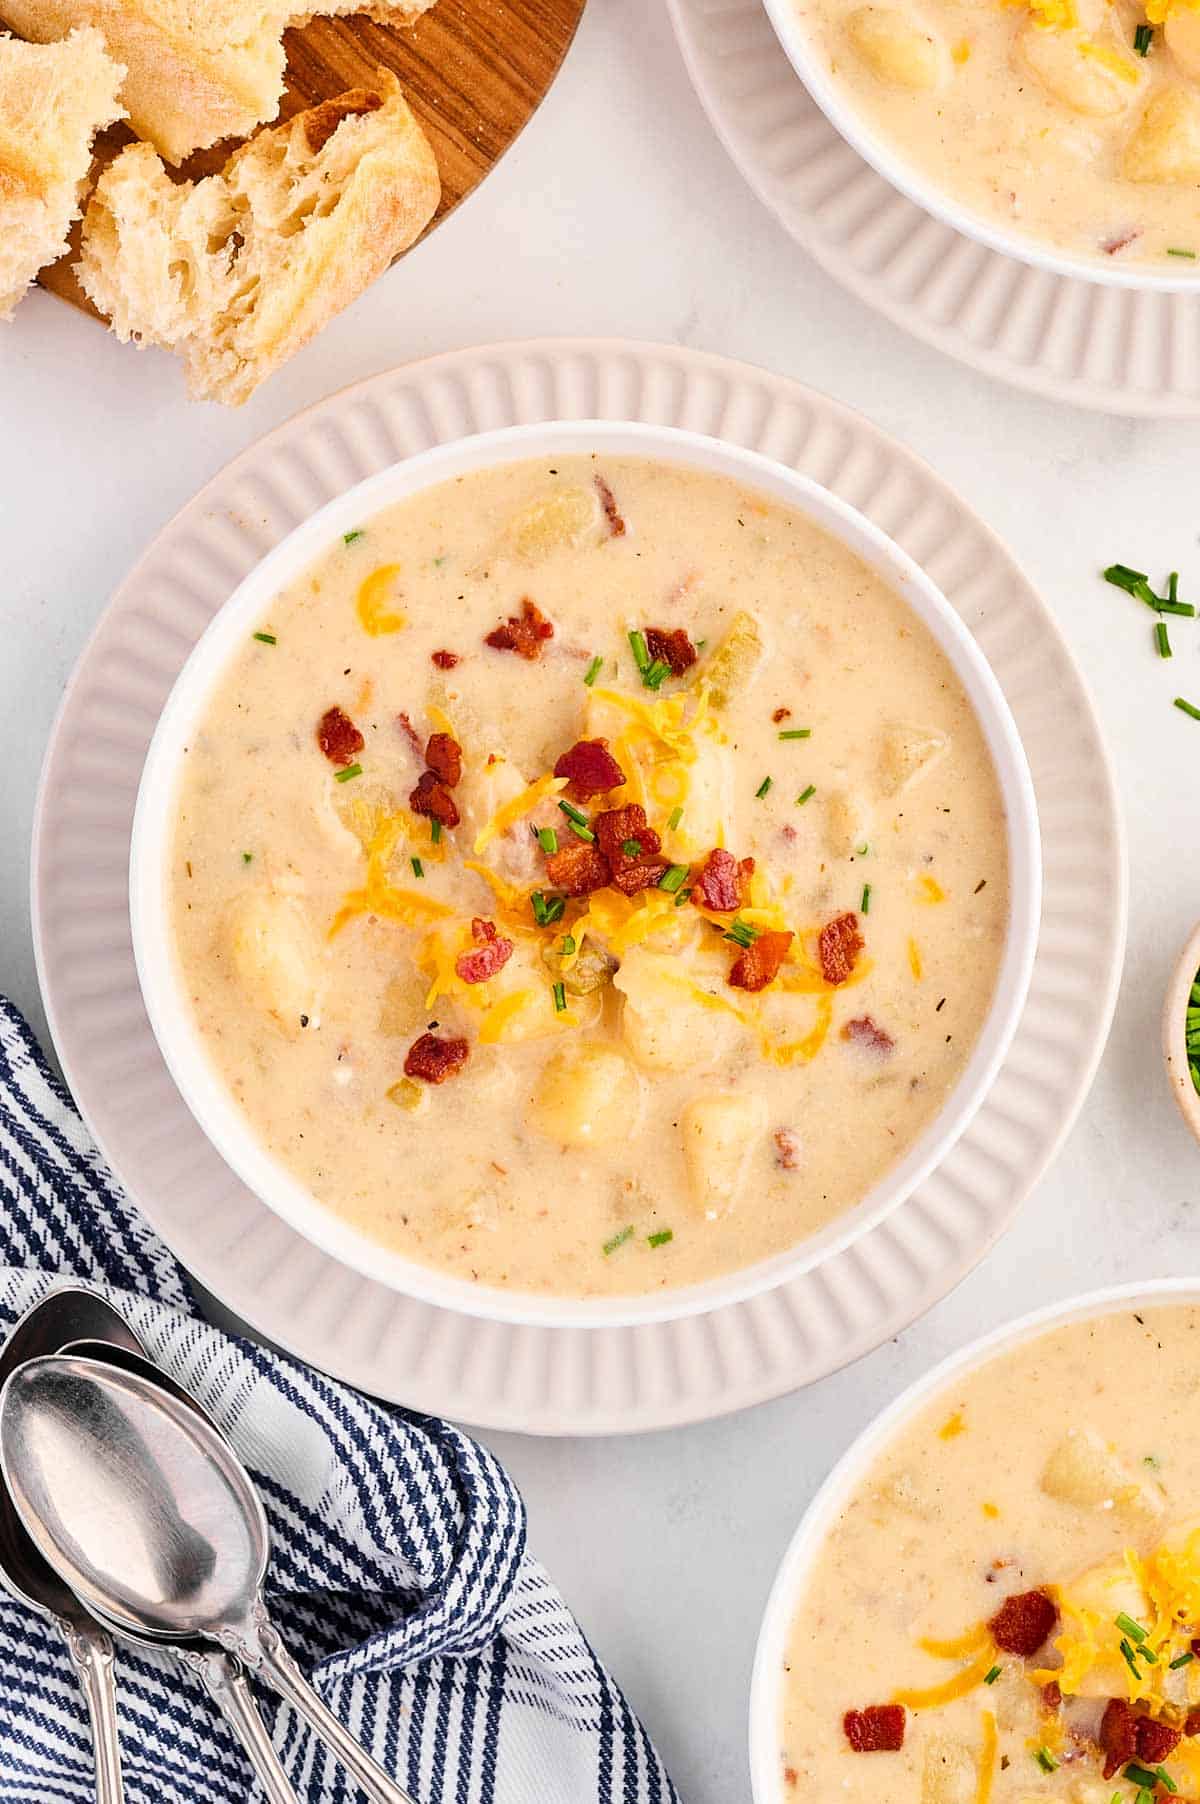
<point x="374" y="593"/>
<point x="379" y="896"/>
<point x="1159" y="11"/>
<point x="963" y="1681"/>
<point x="929" y="889"/>
<point x="960" y="1646"/>
<point x="1122" y="66"/>
<point x="952" y="1427"/>
<point x="509" y="813"/>
<point x="914" y="960"/>
<point x="987" y="1759"/>
<point x="1051" y="15"/>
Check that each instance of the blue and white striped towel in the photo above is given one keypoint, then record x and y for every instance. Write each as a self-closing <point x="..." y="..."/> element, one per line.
<point x="399" y="1570"/>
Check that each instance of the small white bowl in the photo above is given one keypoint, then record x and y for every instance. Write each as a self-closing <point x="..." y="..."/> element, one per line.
<point x="166" y="1001"/>
<point x="889" y="161"/>
<point x="1174" y="1032"/>
<point x="768" y="1681"/>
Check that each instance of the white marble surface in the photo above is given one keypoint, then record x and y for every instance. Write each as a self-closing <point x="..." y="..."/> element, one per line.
<point x="618" y="213"/>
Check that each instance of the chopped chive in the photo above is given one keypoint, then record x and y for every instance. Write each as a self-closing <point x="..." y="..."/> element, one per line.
<point x="266" y="638"/>
<point x="861" y="851"/>
<point x="1164" y="1779"/>
<point x="1143" y="1796"/>
<point x="537" y="902"/>
<point x="568" y="945"/>
<point x="560" y="998"/>
<point x="797" y="733"/>
<point x="348" y="538"/>
<point x="1046" y="1760"/>
<point x="618" y="1240"/>
<point x="246" y="857"/>
<point x="1187" y="707"/>
<point x="741" y="933"/>
<point x="547" y="909"/>
<point x="1147" y="1653"/>
<point x="572" y="813"/>
<point x="640" y="650"/>
<point x="864" y="906"/>
<point x="1143" y="37"/>
<point x="1181" y="1660"/>
<point x="1140" y="1775"/>
<point x="672" y="877"/>
<point x="584" y="833"/>
<point x="547" y="839"/>
<point x="1127" y="1656"/>
<point x="1183" y="608"/>
<point x="1174" y="251"/>
<point x="435" y="832"/>
<point x="656" y="674"/>
<point x="632" y="848"/>
<point x="674" y="818"/>
<point x="344" y="776"/>
<point x="418" y="868"/>
<point x="1134" y="582"/>
<point x="684" y="895"/>
<point x="1173" y="586"/>
<point x="763" y="787"/>
<point x="806" y="795"/>
<point x="1161" y="640"/>
<point x="593" y="670"/>
<point x="989" y="1678"/>
<point x="661" y="1238"/>
<point x="1129" y="1627"/>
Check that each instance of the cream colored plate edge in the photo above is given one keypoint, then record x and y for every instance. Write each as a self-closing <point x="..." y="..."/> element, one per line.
<point x="1113" y="349"/>
<point x="561" y="1381"/>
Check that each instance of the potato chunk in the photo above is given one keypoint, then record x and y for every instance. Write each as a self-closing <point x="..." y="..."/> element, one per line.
<point x="908" y="753"/>
<point x="847" y="822"/>
<point x="1081" y="81"/>
<point x="663" y="1021"/>
<point x="736" y="661"/>
<point x="948" y="1773"/>
<point x="1182" y="34"/>
<point x="558" y="521"/>
<point x="1084" y="1471"/>
<point x="1105" y="1591"/>
<point x="899" y="52"/>
<point x="720" y="1133"/>
<point x="587" y="1096"/>
<point x="1165" y="146"/>
<point x="275" y="957"/>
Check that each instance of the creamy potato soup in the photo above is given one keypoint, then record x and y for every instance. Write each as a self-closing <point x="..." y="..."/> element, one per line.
<point x="1073" y="121"/>
<point x="589" y="880"/>
<point x="1007" y="1608"/>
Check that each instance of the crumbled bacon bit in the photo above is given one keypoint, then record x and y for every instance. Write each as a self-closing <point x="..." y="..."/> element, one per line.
<point x="838" y="947"/>
<point x="1118" y="1735"/>
<point x="781" y="714"/>
<point x="1155" y="1740"/>
<point x="431" y="797"/>
<point x="1120" y="241"/>
<point x="790" y="1776"/>
<point x="1022" y="1623"/>
<point x="523" y="633"/>
<point x="489" y="954"/>
<point x="338" y="737"/>
<point x="723" y="882"/>
<point x="631" y="871"/>
<point x="759" y="964"/>
<point x="788" y="1148"/>
<point x="868" y="1034"/>
<point x="590" y="769"/>
<point x="443" y="755"/>
<point x="577" y="868"/>
<point x="1052" y="1696"/>
<point x="879" y="1729"/>
<point x="410" y="732"/>
<point x="612" y="513"/>
<point x="673" y="646"/>
<point x="1191" y="1723"/>
<point x="434" y="1060"/>
<point x="445" y="660"/>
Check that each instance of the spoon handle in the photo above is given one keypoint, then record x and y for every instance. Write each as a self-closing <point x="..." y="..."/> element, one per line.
<point x="224" y="1679"/>
<point x="91" y="1652"/>
<point x="280" y="1670"/>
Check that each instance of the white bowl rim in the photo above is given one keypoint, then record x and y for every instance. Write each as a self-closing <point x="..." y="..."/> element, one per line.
<point x="188" y="1061"/>
<point x="766" y="1687"/>
<point x="891" y="163"/>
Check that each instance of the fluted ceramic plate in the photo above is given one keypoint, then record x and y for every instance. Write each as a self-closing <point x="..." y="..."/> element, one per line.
<point x="561" y="1380"/>
<point x="1120" y="350"/>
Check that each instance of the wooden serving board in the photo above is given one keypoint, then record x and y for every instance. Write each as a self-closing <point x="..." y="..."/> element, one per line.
<point x="473" y="71"/>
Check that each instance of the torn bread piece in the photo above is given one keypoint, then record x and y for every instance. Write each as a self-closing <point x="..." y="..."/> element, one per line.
<point x="238" y="270"/>
<point x="198" y="70"/>
<point x="54" y="98"/>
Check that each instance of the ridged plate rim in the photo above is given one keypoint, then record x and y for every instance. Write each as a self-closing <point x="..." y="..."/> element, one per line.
<point x="561" y="1380"/>
<point x="1111" y="349"/>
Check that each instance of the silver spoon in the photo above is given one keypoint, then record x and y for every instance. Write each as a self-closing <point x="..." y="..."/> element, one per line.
<point x="221" y="1674"/>
<point x="151" y="1518"/>
<point x="64" y="1315"/>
